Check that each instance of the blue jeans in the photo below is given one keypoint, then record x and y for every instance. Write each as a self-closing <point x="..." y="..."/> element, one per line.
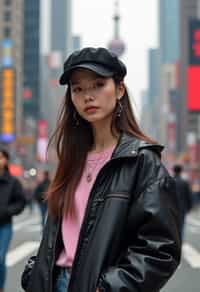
<point x="62" y="281"/>
<point x="43" y="211"/>
<point x="5" y="238"/>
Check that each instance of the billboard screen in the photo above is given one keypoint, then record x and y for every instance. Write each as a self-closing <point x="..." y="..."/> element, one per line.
<point x="42" y="141"/>
<point x="6" y="59"/>
<point x="7" y="105"/>
<point x="194" y="42"/>
<point x="193" y="94"/>
<point x="194" y="88"/>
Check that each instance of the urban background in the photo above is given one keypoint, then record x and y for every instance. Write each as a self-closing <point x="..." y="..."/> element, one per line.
<point x="30" y="98"/>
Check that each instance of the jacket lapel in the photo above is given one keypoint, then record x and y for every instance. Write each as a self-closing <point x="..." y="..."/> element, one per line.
<point x="130" y="146"/>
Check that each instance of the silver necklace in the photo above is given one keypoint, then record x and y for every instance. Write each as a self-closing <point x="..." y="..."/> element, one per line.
<point x="90" y="170"/>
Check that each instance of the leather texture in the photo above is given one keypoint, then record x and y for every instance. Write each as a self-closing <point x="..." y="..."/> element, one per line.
<point x="130" y="236"/>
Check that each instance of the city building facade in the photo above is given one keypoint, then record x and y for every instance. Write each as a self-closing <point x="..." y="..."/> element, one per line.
<point x="11" y="69"/>
<point x="189" y="10"/>
<point x="61" y="44"/>
<point x="32" y="58"/>
<point x="179" y="22"/>
<point x="150" y="121"/>
<point x="31" y="82"/>
<point x="169" y="42"/>
<point x="169" y="31"/>
<point x="61" y="27"/>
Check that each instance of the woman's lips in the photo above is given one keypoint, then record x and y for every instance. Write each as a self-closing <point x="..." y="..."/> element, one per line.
<point x="91" y="109"/>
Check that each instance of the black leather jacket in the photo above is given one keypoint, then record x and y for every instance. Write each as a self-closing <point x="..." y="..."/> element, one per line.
<point x="129" y="240"/>
<point x="12" y="198"/>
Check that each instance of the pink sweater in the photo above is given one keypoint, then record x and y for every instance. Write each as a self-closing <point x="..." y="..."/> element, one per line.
<point x="71" y="227"/>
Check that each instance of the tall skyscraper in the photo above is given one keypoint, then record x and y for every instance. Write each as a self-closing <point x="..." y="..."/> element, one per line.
<point x="11" y="68"/>
<point x="169" y="31"/>
<point x="61" y="26"/>
<point x="154" y="57"/>
<point x="179" y="54"/>
<point x="169" y="37"/>
<point x="190" y="121"/>
<point x="31" y="92"/>
<point x="61" y="45"/>
<point x="31" y="81"/>
<point x="153" y="89"/>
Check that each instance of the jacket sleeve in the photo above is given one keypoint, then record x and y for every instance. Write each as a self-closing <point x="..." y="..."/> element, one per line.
<point x="18" y="201"/>
<point x="153" y="251"/>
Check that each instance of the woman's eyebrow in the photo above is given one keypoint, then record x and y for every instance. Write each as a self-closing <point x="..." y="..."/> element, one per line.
<point x="75" y="82"/>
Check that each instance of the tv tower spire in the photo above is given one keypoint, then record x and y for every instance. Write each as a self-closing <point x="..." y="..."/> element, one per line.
<point x="116" y="19"/>
<point x="116" y="45"/>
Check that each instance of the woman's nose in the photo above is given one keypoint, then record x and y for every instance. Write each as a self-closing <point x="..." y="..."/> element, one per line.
<point x="88" y="95"/>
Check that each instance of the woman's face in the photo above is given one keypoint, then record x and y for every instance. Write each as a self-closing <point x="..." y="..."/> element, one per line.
<point x="3" y="161"/>
<point x="93" y="96"/>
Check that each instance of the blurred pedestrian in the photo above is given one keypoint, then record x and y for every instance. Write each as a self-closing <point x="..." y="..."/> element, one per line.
<point x="196" y="195"/>
<point x="113" y="222"/>
<point x="39" y="195"/>
<point x="28" y="191"/>
<point x="184" y="195"/>
<point x="12" y="202"/>
<point x="196" y="190"/>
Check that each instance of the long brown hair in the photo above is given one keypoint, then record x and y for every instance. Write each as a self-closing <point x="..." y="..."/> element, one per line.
<point x="73" y="138"/>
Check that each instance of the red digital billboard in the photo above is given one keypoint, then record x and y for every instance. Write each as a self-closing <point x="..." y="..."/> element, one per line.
<point x="194" y="88"/>
<point x="193" y="94"/>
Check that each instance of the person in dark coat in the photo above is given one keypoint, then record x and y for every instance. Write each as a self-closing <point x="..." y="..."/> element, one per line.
<point x="12" y="202"/>
<point x="39" y="195"/>
<point x="184" y="194"/>
<point x="112" y="221"/>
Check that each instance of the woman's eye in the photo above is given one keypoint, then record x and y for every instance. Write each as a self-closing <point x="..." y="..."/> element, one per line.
<point x="76" y="89"/>
<point x="99" y="84"/>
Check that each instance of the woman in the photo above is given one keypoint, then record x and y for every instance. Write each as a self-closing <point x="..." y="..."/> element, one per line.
<point x="12" y="202"/>
<point x="113" y="223"/>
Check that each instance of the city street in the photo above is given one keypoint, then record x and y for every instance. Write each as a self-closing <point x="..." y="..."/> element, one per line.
<point x="27" y="230"/>
<point x="26" y="238"/>
<point x="186" y="278"/>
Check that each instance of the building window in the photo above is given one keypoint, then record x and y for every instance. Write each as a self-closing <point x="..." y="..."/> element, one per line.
<point x="7" y="16"/>
<point x="7" y="2"/>
<point x="7" y="32"/>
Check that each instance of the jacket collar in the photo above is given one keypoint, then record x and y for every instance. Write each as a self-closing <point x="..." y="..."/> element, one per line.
<point x="129" y="146"/>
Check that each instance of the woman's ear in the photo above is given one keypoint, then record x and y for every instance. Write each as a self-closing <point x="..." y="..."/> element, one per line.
<point x="120" y="90"/>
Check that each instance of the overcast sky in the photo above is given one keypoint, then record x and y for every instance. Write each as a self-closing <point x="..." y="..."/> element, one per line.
<point x="92" y="19"/>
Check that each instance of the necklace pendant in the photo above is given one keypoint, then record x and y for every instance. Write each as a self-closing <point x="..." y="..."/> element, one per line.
<point x="89" y="177"/>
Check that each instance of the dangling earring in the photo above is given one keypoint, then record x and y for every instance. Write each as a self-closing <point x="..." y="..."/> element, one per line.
<point x="75" y="118"/>
<point x="119" y="105"/>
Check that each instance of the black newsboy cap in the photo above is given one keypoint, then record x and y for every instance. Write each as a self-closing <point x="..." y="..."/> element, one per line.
<point x="99" y="60"/>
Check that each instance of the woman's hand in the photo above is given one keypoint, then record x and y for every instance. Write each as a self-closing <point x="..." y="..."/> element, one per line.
<point x="97" y="290"/>
<point x="27" y="272"/>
